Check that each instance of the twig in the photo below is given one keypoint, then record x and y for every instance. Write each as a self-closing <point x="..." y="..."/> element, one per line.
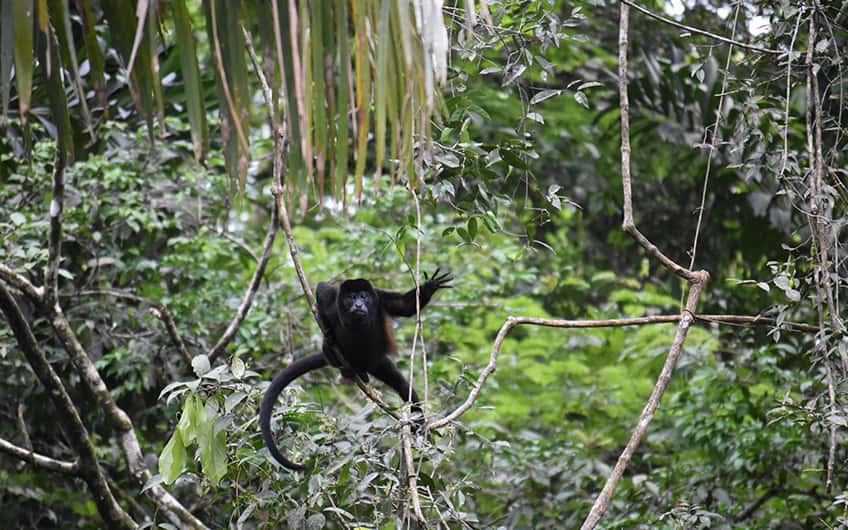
<point x="239" y="243"/>
<point x="19" y="281"/>
<point x="788" y="96"/>
<point x="699" y="31"/>
<point x="812" y="119"/>
<point x="513" y="321"/>
<point x="601" y="502"/>
<point x="89" y="469"/>
<point x="39" y="460"/>
<point x="713" y="143"/>
<point x="158" y="309"/>
<point x="249" y="294"/>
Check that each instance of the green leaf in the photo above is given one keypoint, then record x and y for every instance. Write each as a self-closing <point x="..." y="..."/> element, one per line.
<point x="212" y="443"/>
<point x="187" y="426"/>
<point x="172" y="460"/>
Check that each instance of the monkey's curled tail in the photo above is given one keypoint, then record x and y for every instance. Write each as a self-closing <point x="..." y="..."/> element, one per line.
<point x="281" y="381"/>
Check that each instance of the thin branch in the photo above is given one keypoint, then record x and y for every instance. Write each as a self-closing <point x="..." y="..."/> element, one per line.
<point x="89" y="470"/>
<point x="19" y="281"/>
<point x="627" y="224"/>
<point x="601" y="502"/>
<point x="713" y="142"/>
<point x="411" y="475"/>
<point x="513" y="321"/>
<point x="239" y="243"/>
<point x="54" y="239"/>
<point x="249" y="294"/>
<point x="158" y="309"/>
<point x="788" y="96"/>
<point x="812" y="120"/>
<point x="39" y="460"/>
<point x="700" y="31"/>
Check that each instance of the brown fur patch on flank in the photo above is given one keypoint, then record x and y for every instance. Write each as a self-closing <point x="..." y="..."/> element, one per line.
<point x="388" y="325"/>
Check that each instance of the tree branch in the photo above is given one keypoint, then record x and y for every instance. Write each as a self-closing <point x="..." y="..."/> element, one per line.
<point x="513" y="321"/>
<point x="19" y="281"/>
<point x="601" y="502"/>
<point x="158" y="309"/>
<point x="39" y="460"/>
<point x="119" y="420"/>
<point x="249" y="294"/>
<point x="89" y="468"/>
<point x="691" y="29"/>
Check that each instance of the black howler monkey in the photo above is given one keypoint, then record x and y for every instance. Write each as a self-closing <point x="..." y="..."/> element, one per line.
<point x="358" y="339"/>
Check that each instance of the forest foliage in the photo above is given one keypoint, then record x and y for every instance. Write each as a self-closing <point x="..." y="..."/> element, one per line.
<point x="512" y="181"/>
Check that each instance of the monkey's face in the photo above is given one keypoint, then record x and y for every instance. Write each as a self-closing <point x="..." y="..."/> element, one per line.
<point x="357" y="300"/>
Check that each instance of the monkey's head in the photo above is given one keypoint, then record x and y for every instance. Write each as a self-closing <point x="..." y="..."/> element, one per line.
<point x="357" y="300"/>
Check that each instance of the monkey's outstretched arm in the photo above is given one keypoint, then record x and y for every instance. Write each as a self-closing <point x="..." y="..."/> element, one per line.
<point x="403" y="304"/>
<point x="281" y="381"/>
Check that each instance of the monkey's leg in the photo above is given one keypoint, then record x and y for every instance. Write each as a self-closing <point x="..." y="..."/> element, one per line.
<point x="386" y="371"/>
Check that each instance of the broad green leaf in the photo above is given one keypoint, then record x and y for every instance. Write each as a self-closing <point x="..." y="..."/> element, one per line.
<point x="172" y="460"/>
<point x="187" y="426"/>
<point x="212" y="443"/>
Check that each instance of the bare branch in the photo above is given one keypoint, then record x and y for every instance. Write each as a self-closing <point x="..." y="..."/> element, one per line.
<point x="627" y="224"/>
<point x="814" y="218"/>
<point x="513" y="321"/>
<point x="39" y="460"/>
<point x="19" y="281"/>
<point x="158" y="309"/>
<point x="411" y="474"/>
<point x="89" y="470"/>
<point x="249" y="294"/>
<point x="239" y="243"/>
<point x="700" y="31"/>
<point x="641" y="428"/>
<point x="54" y="239"/>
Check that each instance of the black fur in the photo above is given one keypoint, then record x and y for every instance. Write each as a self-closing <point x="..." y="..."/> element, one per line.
<point x="358" y="340"/>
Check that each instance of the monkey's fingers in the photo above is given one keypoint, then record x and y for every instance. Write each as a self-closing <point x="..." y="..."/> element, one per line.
<point x="444" y="280"/>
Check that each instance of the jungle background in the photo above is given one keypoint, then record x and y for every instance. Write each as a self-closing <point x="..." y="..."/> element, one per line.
<point x="149" y="293"/>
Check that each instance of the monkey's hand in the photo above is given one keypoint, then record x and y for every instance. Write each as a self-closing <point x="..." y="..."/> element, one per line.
<point x="437" y="281"/>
